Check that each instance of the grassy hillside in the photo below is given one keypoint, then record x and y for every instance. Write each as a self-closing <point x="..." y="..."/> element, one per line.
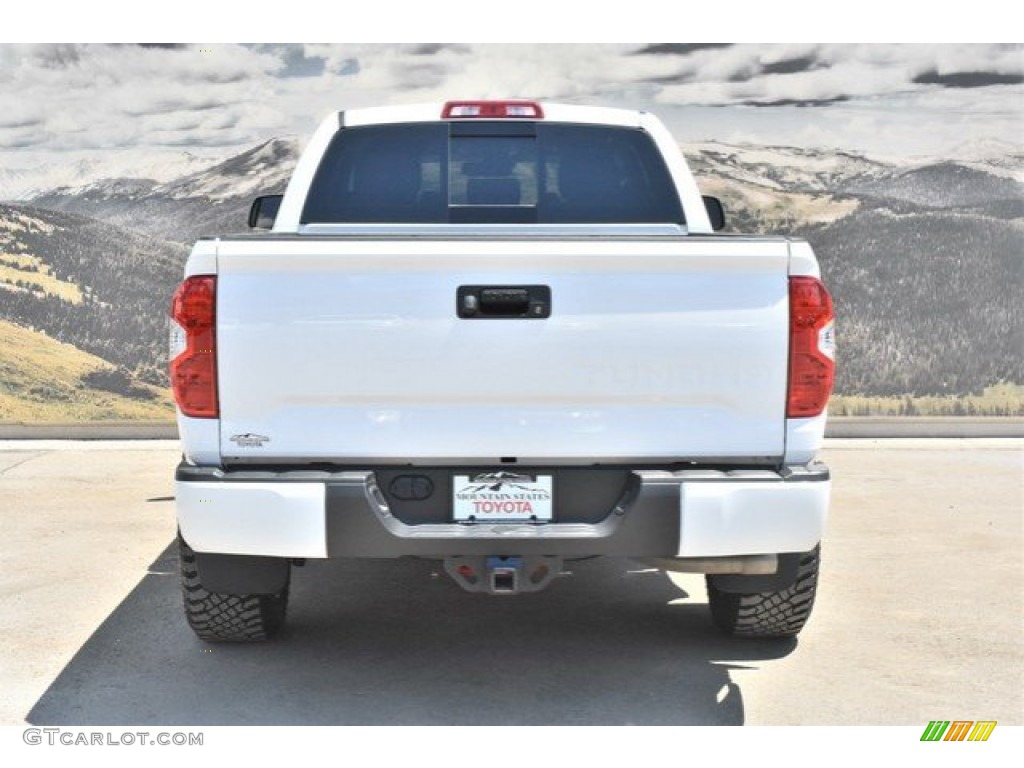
<point x="928" y="301"/>
<point x="43" y="380"/>
<point x="751" y="208"/>
<point x="997" y="400"/>
<point x="102" y="288"/>
<point x="926" y="265"/>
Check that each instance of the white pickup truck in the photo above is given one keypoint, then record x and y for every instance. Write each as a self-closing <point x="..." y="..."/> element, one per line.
<point x="504" y="336"/>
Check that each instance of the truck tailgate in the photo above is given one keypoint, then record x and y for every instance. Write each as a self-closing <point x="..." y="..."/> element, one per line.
<point x="351" y="349"/>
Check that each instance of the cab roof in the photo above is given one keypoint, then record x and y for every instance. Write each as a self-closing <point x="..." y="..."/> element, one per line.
<point x="548" y="111"/>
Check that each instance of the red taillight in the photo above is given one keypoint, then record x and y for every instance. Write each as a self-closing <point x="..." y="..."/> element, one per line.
<point x="491" y="109"/>
<point x="194" y="347"/>
<point x="812" y="347"/>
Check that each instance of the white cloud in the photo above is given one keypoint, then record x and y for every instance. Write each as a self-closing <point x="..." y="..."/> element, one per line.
<point x="69" y="98"/>
<point x="90" y="96"/>
<point x="752" y="73"/>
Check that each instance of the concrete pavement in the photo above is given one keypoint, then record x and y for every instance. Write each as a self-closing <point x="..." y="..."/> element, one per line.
<point x="918" y="614"/>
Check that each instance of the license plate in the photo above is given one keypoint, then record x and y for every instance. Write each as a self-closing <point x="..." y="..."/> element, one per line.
<point x="502" y="497"/>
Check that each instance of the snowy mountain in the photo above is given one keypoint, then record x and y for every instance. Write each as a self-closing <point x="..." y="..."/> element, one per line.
<point x="78" y="174"/>
<point x="212" y="200"/>
<point x="944" y="185"/>
<point x="266" y="166"/>
<point x="768" y="188"/>
<point x="999" y="158"/>
<point x="783" y="168"/>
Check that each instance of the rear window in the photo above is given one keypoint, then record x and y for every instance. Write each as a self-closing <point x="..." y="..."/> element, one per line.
<point x="492" y="173"/>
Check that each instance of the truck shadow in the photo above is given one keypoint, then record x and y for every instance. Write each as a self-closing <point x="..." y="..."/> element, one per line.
<point x="397" y="643"/>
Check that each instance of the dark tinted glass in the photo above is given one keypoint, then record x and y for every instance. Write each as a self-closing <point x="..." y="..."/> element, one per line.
<point x="381" y="173"/>
<point x="596" y="173"/>
<point x="559" y="174"/>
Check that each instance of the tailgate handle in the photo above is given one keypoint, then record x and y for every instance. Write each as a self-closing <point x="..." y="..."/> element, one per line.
<point x="481" y="302"/>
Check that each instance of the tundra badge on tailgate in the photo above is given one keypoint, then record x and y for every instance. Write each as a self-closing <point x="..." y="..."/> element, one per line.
<point x="249" y="440"/>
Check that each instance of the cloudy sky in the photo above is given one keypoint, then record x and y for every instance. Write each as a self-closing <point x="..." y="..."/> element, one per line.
<point x="66" y="100"/>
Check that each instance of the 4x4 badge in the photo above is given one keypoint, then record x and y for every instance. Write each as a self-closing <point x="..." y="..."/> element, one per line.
<point x="249" y="440"/>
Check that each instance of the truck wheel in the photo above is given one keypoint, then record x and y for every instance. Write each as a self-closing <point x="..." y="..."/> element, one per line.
<point x="779" y="613"/>
<point x="218" y="616"/>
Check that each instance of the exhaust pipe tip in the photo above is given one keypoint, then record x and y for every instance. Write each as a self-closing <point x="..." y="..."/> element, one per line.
<point x="746" y="565"/>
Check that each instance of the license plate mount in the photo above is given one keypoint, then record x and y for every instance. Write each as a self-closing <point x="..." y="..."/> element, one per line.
<point x="502" y="497"/>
